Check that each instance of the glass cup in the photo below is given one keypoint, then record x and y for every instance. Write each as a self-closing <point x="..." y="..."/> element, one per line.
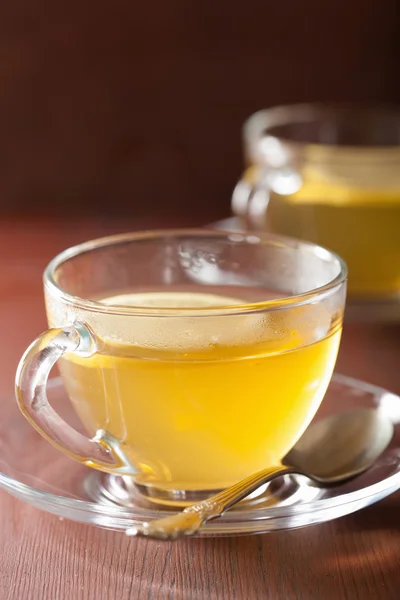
<point x="192" y="358"/>
<point x="330" y="175"/>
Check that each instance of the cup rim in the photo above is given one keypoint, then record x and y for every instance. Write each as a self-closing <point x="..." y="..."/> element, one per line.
<point x="257" y="128"/>
<point x="312" y="295"/>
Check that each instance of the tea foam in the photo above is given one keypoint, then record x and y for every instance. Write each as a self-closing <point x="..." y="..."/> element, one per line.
<point x="183" y="332"/>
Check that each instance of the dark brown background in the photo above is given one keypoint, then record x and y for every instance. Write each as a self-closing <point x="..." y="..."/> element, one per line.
<point x="121" y="106"/>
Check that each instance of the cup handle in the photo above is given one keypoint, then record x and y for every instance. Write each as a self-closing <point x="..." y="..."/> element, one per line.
<point x="250" y="198"/>
<point x="101" y="452"/>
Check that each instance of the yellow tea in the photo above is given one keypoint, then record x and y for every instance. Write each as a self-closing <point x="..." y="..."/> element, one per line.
<point x="202" y="406"/>
<point x="361" y="224"/>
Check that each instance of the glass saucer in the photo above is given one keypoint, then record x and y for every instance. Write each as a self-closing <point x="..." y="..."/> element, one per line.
<point x="33" y="471"/>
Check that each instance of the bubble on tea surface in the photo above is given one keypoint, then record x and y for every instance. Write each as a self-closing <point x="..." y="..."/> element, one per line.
<point x="299" y="325"/>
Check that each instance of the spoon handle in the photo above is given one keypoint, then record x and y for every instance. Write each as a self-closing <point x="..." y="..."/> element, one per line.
<point x="189" y="521"/>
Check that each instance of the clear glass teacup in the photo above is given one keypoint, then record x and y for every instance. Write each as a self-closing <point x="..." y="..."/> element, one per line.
<point x="192" y="358"/>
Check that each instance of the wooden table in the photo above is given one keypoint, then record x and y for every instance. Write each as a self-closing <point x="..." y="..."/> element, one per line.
<point x="43" y="558"/>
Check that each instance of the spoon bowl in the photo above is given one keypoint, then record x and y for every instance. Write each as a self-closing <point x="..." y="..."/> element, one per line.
<point x="341" y="446"/>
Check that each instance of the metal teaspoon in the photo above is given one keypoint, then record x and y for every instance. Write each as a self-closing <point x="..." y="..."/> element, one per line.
<point x="330" y="451"/>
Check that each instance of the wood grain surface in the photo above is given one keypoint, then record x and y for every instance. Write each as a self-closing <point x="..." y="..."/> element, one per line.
<point x="44" y="558"/>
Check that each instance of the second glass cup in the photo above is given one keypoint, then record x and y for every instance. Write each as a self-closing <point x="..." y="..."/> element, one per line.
<point x="192" y="358"/>
<point x="330" y="175"/>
